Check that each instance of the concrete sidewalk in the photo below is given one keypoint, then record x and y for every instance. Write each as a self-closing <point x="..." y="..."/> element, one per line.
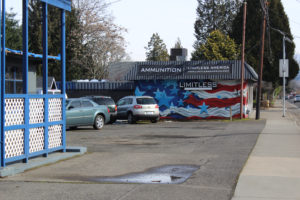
<point x="273" y="168"/>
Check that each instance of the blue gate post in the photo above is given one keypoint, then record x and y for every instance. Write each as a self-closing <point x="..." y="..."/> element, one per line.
<point x="63" y="75"/>
<point x="3" y="81"/>
<point x="45" y="74"/>
<point x="2" y="150"/>
<point x="25" y="79"/>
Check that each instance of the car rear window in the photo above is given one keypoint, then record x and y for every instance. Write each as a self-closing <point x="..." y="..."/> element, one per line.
<point x="104" y="101"/>
<point x="145" y="101"/>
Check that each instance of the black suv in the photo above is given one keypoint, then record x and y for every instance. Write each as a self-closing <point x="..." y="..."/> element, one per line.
<point x="109" y="102"/>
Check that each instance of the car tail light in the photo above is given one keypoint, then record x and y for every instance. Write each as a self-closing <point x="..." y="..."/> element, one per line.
<point x="108" y="110"/>
<point x="156" y="106"/>
<point x="137" y="107"/>
<point x="116" y="107"/>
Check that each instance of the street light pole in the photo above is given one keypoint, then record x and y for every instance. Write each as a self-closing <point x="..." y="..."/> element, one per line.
<point x="284" y="69"/>
<point x="284" y="38"/>
<point x="283" y="47"/>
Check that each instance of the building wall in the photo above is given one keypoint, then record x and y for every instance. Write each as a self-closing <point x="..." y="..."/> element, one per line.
<point x="14" y="79"/>
<point x="114" y="94"/>
<point x="32" y="89"/>
<point x="177" y="103"/>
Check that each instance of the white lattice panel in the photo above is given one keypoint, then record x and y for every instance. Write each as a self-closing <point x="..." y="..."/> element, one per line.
<point x="36" y="111"/>
<point x="54" y="136"/>
<point x="36" y="139"/>
<point x="14" y="112"/>
<point x="14" y="143"/>
<point x="55" y="109"/>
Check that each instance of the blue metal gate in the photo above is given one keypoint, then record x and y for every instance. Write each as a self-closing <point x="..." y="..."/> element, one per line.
<point x="32" y="125"/>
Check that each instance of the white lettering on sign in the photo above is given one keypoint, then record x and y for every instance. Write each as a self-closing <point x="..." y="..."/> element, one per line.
<point x="160" y="70"/>
<point x="205" y="85"/>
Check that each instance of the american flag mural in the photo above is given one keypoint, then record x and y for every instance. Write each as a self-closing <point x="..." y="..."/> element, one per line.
<point x="176" y="102"/>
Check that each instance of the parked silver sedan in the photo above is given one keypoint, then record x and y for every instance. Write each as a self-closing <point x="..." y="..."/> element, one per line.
<point x="134" y="108"/>
<point x="83" y="112"/>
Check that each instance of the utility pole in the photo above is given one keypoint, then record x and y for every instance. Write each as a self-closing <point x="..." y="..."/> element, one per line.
<point x="243" y="60"/>
<point x="262" y="48"/>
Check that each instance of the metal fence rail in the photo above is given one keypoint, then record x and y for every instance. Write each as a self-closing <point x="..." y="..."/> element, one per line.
<point x="97" y="85"/>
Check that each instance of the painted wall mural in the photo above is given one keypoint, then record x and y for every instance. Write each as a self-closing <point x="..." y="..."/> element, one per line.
<point x="203" y="99"/>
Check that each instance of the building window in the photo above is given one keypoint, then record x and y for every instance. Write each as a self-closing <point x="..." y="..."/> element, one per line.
<point x="13" y="80"/>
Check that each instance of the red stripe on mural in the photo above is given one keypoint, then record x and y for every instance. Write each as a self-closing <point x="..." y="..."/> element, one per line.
<point x="214" y="102"/>
<point x="228" y="88"/>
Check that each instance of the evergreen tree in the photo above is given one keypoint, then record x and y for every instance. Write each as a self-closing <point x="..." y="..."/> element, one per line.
<point x="74" y="48"/>
<point x="35" y="27"/>
<point x="13" y="31"/>
<point x="273" y="43"/>
<point x="214" y="15"/>
<point x="178" y="44"/>
<point x="217" y="47"/>
<point x="73" y="40"/>
<point x="156" y="49"/>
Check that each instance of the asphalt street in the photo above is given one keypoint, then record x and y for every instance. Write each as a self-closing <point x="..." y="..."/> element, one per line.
<point x="219" y="148"/>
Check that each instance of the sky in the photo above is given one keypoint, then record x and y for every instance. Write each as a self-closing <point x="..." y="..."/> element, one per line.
<point x="171" y="19"/>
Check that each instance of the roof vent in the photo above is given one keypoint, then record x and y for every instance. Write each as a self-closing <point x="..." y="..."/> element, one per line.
<point x="178" y="54"/>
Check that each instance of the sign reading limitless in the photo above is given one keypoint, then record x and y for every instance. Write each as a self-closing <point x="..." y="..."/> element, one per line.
<point x="198" y="85"/>
<point x="188" y="70"/>
<point x="63" y="4"/>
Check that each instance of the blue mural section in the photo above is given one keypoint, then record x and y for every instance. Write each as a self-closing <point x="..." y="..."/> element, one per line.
<point x="167" y="94"/>
<point x="203" y="99"/>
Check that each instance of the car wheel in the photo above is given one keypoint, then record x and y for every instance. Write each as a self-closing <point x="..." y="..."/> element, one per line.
<point x="154" y="120"/>
<point x="131" y="119"/>
<point x="99" y="122"/>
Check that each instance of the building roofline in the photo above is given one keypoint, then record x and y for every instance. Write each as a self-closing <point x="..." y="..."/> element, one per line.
<point x="190" y="70"/>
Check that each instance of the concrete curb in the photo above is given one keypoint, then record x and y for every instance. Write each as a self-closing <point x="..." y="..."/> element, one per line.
<point x="17" y="168"/>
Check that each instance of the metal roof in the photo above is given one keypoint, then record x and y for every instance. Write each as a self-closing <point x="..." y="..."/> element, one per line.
<point x="190" y="70"/>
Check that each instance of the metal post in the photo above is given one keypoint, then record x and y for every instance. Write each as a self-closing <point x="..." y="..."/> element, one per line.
<point x="283" y="49"/>
<point x="25" y="46"/>
<point x="25" y="79"/>
<point x="45" y="73"/>
<point x="262" y="47"/>
<point x="284" y="38"/>
<point x="63" y="75"/>
<point x="243" y="60"/>
<point x="2" y="106"/>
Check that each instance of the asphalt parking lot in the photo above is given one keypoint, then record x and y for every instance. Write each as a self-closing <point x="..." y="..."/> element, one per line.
<point x="219" y="149"/>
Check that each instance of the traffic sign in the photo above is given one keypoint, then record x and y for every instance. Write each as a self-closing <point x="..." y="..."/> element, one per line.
<point x="283" y="67"/>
